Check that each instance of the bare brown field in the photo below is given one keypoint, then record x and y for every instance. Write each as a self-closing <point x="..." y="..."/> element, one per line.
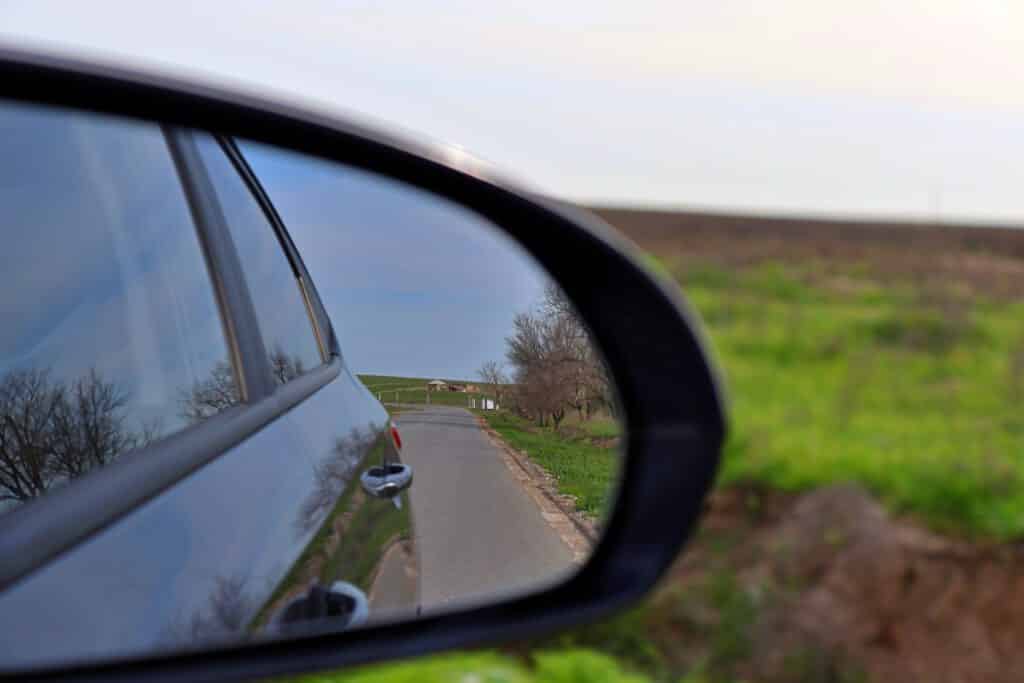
<point x="982" y="259"/>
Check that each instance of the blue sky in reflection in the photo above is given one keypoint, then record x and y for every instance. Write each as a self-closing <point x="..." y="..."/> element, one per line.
<point x="415" y="285"/>
<point x="103" y="271"/>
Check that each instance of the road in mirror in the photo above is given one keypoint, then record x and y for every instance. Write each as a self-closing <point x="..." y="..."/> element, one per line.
<point x="443" y="432"/>
<point x="505" y="410"/>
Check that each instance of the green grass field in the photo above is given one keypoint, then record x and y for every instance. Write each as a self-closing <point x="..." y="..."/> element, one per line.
<point x="914" y="394"/>
<point x="909" y="389"/>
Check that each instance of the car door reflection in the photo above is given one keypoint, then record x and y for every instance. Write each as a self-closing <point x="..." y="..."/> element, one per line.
<point x="361" y="548"/>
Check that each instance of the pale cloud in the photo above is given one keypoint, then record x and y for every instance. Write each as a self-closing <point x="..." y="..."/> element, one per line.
<point x="896" y="108"/>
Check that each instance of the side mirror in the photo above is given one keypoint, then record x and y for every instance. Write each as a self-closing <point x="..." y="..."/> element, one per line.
<point x="608" y="308"/>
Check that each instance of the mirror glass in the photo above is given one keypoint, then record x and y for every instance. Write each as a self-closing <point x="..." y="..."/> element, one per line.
<point x="436" y="428"/>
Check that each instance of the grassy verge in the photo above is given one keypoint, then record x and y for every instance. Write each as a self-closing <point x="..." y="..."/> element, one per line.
<point x="582" y="459"/>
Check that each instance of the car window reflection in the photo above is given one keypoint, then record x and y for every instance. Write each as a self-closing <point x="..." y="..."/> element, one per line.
<point x="107" y="309"/>
<point x="284" y="320"/>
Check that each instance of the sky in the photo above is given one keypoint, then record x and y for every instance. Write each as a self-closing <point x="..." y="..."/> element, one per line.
<point x="903" y="110"/>
<point x="109" y="279"/>
<point x="910" y="110"/>
<point x="415" y="286"/>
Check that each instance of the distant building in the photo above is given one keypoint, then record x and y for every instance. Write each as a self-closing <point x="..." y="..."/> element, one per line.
<point x="436" y="385"/>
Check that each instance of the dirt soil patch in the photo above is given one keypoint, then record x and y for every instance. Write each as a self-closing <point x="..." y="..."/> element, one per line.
<point x="976" y="259"/>
<point x="837" y="586"/>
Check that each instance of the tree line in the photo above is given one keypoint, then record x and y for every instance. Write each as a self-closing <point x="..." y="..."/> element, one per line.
<point x="555" y="368"/>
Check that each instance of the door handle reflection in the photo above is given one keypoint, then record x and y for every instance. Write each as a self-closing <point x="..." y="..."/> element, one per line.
<point x="386" y="481"/>
<point x="340" y="606"/>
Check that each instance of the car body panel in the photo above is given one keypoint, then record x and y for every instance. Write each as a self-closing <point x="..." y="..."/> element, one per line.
<point x="221" y="554"/>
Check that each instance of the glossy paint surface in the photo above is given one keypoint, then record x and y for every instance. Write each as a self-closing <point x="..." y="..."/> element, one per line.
<point x="219" y="556"/>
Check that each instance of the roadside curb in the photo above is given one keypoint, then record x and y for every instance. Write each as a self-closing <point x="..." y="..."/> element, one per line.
<point x="576" y="530"/>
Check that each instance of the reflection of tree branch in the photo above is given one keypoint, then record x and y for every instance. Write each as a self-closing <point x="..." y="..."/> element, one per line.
<point x="225" y="615"/>
<point x="212" y="395"/>
<point x="228" y="608"/>
<point x="88" y="432"/>
<point x="27" y="404"/>
<point x="332" y="475"/>
<point x="51" y="431"/>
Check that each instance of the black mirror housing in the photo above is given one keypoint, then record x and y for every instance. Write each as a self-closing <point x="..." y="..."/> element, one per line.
<point x="669" y="390"/>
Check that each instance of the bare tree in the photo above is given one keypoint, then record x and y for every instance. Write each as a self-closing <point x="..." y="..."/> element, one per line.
<point x="591" y="385"/>
<point x="51" y="431"/>
<point x="333" y="474"/>
<point x="88" y="429"/>
<point x="28" y="403"/>
<point x="493" y="374"/>
<point x="210" y="396"/>
<point x="229" y="607"/>
<point x="219" y="390"/>
<point x="556" y="366"/>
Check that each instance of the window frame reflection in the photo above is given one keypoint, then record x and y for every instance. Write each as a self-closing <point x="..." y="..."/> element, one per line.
<point x="34" y="533"/>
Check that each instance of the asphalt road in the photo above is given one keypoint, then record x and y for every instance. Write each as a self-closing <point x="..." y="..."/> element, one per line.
<point x="479" y="532"/>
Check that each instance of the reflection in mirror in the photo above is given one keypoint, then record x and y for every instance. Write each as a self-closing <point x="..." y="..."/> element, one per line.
<point x="455" y="439"/>
<point x="504" y="408"/>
